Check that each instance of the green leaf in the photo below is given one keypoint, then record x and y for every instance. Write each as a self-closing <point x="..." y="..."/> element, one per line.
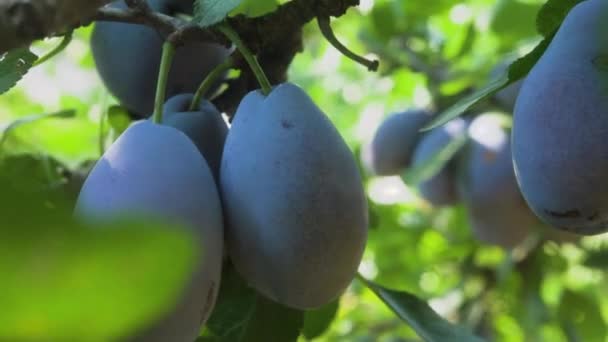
<point x="522" y="66"/>
<point x="273" y="322"/>
<point x="63" y="282"/>
<point x="6" y="130"/>
<point x="242" y="315"/>
<point x="432" y="166"/>
<point x="209" y="12"/>
<point x="582" y="317"/>
<point x="317" y="321"/>
<point x="31" y="174"/>
<point x="418" y="314"/>
<point x="119" y="119"/>
<point x="597" y="258"/>
<point x="234" y="307"/>
<point x="467" y="102"/>
<point x="516" y="71"/>
<point x="502" y="20"/>
<point x="13" y="66"/>
<point x="255" y="8"/>
<point x="552" y="14"/>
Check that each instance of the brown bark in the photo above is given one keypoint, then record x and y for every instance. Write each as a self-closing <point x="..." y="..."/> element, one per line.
<point x="275" y="38"/>
<point x="23" y="21"/>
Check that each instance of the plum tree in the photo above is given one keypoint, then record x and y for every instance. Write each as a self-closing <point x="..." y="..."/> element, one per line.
<point x="440" y="189"/>
<point x="560" y="125"/>
<point x="157" y="172"/>
<point x="394" y="142"/>
<point x="497" y="211"/>
<point x="294" y="201"/>
<point x="205" y="127"/>
<point x="127" y="58"/>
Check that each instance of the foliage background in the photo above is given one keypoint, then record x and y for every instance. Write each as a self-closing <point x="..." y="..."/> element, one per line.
<point x="431" y="52"/>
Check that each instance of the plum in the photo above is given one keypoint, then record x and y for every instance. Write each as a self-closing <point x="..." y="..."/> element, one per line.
<point x="496" y="209"/>
<point x="127" y="57"/>
<point x="205" y="127"/>
<point x="394" y="142"/>
<point x="294" y="199"/>
<point x="561" y="125"/>
<point x="440" y="189"/>
<point x="157" y="172"/>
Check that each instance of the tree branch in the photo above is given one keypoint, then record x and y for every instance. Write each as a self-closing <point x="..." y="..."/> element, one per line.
<point x="275" y="38"/>
<point x="24" y="21"/>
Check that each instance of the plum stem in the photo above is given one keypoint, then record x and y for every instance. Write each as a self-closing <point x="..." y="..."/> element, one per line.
<point x="163" y="75"/>
<point x="328" y="33"/>
<point x="209" y="81"/>
<point x="67" y="39"/>
<point x="231" y="34"/>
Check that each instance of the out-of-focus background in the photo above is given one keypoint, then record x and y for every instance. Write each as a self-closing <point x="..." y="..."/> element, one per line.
<point x="431" y="54"/>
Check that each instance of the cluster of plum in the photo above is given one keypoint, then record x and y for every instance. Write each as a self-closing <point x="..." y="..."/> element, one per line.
<point x="552" y="163"/>
<point x="279" y="190"/>
<point x="480" y="175"/>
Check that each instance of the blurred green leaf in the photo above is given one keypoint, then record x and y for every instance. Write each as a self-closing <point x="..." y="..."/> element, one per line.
<point x="581" y="317"/>
<point x="383" y="19"/>
<point x="597" y="258"/>
<point x="425" y="9"/>
<point x="317" y="321"/>
<point x="119" y="119"/>
<point x="273" y="322"/>
<point x="419" y="315"/>
<point x="13" y="66"/>
<point x="6" y="130"/>
<point x="517" y="70"/>
<point x="63" y="282"/>
<point x="468" y="41"/>
<point x="31" y="174"/>
<point x="552" y="14"/>
<point x="502" y="20"/>
<point x="467" y="102"/>
<point x="209" y="12"/>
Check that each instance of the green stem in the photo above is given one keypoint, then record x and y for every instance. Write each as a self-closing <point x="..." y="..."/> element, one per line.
<point x="209" y="81"/>
<point x="67" y="38"/>
<point x="328" y="33"/>
<point x="161" y="86"/>
<point x="231" y="34"/>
